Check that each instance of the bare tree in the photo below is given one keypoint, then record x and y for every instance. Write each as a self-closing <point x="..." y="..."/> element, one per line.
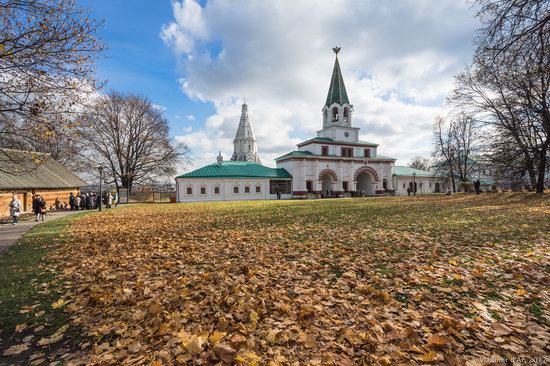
<point x="128" y="135"/>
<point x="457" y="140"/>
<point x="47" y="53"/>
<point x="511" y="25"/>
<point x="420" y="163"/>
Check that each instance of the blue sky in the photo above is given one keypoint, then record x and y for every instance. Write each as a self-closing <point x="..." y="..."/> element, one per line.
<point x="200" y="59"/>
<point x="139" y="62"/>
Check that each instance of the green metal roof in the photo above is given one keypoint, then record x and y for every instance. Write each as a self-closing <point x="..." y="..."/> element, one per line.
<point x="237" y="169"/>
<point x="337" y="91"/>
<point x="408" y="172"/>
<point x="328" y="139"/>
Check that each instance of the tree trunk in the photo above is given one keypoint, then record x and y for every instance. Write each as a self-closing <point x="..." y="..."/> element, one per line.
<point x="541" y="173"/>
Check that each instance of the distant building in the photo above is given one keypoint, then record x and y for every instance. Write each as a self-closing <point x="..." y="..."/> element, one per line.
<point x="241" y="178"/>
<point x="407" y="179"/>
<point x="337" y="162"/>
<point x="48" y="179"/>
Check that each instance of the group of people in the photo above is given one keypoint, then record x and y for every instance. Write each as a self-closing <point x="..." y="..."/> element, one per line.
<point x="91" y="201"/>
<point x="38" y="208"/>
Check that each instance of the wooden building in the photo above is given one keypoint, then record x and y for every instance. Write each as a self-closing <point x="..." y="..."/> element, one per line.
<point x="28" y="173"/>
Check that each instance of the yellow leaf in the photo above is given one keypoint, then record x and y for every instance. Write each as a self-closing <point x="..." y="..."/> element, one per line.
<point x="17" y="349"/>
<point x="20" y="327"/>
<point x="428" y="357"/>
<point x="216" y="337"/>
<point x="520" y="292"/>
<point x="59" y="303"/>
<point x="436" y="340"/>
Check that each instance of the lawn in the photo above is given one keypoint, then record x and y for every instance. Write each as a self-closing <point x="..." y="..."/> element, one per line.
<point x="411" y="280"/>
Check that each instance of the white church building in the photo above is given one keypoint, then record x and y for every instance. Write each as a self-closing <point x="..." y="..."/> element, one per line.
<point x="332" y="164"/>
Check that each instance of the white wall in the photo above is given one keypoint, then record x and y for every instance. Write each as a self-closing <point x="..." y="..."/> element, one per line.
<point x="304" y="170"/>
<point x="358" y="152"/>
<point x="423" y="185"/>
<point x="226" y="186"/>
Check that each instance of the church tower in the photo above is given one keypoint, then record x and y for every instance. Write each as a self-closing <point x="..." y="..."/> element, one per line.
<point x="337" y="110"/>
<point x="245" y="148"/>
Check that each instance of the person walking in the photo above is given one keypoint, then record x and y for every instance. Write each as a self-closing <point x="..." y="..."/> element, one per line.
<point x="77" y="202"/>
<point x="15" y="209"/>
<point x="116" y="199"/>
<point x="71" y="201"/>
<point x="41" y="206"/>
<point x="109" y="200"/>
<point x="477" y="185"/>
<point x="82" y="202"/>
<point x="36" y="207"/>
<point x="88" y="202"/>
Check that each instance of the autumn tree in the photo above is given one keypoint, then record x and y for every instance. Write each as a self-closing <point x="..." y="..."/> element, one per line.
<point x="128" y="135"/>
<point x="47" y="53"/>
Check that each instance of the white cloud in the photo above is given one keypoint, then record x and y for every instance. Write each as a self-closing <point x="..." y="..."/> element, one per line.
<point x="190" y="117"/>
<point x="398" y="61"/>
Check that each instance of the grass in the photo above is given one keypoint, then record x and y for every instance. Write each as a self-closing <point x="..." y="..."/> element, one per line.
<point x="320" y="282"/>
<point x="28" y="287"/>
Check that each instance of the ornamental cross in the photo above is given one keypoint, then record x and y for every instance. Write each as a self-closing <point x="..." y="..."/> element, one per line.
<point x="336" y="50"/>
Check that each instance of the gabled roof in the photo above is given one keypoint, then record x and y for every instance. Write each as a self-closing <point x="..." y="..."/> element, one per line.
<point x="25" y="173"/>
<point x="337" y="91"/>
<point x="408" y="172"/>
<point x="237" y="169"/>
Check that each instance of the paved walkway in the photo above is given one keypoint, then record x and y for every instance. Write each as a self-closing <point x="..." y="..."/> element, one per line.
<point x="10" y="234"/>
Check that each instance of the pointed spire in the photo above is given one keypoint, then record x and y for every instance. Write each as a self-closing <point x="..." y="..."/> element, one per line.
<point x="245" y="144"/>
<point x="245" y="129"/>
<point x="337" y="91"/>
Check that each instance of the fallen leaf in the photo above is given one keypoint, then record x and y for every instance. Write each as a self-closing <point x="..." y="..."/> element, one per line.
<point x="17" y="349"/>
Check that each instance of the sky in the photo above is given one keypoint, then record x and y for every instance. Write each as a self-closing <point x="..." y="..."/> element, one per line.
<point x="200" y="60"/>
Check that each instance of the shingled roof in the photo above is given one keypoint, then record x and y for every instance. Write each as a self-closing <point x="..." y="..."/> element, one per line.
<point x="31" y="170"/>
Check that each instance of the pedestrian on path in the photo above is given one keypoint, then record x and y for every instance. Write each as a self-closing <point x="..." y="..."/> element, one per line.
<point x="36" y="207"/>
<point x="71" y="201"/>
<point x="15" y="209"/>
<point x="41" y="205"/>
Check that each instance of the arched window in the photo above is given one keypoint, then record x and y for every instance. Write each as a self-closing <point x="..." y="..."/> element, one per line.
<point x="346" y="115"/>
<point x="384" y="184"/>
<point x="334" y="114"/>
<point x="203" y="190"/>
<point x="216" y="190"/>
<point x="258" y="189"/>
<point x="189" y="190"/>
<point x="236" y="190"/>
<point x="325" y="116"/>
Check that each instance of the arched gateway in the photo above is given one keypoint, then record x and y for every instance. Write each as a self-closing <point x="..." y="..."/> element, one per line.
<point x="366" y="178"/>
<point x="327" y="178"/>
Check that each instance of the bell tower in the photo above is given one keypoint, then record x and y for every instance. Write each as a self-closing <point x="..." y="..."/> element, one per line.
<point x="337" y="110"/>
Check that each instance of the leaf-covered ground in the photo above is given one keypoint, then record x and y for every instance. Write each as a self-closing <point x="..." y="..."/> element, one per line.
<point x="411" y="280"/>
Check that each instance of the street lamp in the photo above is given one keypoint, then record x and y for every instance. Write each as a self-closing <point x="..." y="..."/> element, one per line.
<point x="100" y="170"/>
<point x="414" y="184"/>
